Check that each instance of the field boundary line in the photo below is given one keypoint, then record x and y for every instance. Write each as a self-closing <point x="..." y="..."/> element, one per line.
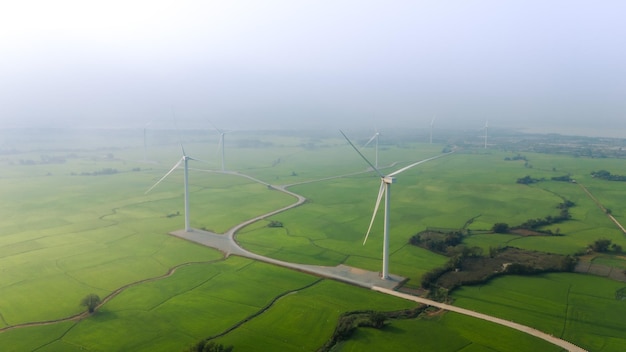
<point x="262" y="310"/>
<point x="82" y="315"/>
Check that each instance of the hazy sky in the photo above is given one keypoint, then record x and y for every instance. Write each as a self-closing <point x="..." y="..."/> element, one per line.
<point x="288" y="63"/>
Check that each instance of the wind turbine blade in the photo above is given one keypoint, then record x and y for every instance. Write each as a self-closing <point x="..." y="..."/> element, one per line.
<point x="198" y="160"/>
<point x="215" y="128"/>
<point x="415" y="164"/>
<point x="362" y="156"/>
<point x="370" y="141"/>
<point x="183" y="150"/>
<point x="381" y="191"/>
<point x="167" y="174"/>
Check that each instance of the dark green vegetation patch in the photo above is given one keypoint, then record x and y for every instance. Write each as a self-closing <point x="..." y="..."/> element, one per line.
<point x="511" y="261"/>
<point x="349" y="322"/>
<point x="620" y="294"/>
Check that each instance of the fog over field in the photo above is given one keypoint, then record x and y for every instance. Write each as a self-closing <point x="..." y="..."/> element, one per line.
<point x="548" y="66"/>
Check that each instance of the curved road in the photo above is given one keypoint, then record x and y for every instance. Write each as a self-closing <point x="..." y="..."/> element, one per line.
<point x="359" y="277"/>
<point x="228" y="245"/>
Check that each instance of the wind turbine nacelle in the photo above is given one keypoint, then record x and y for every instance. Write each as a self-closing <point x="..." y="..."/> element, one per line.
<point x="389" y="179"/>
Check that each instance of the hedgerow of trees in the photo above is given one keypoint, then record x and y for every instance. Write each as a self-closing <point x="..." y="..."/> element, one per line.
<point x="517" y="157"/>
<point x="526" y="180"/>
<point x="348" y="322"/>
<point x="564" y="178"/>
<point x="535" y="224"/>
<point x="472" y="268"/>
<point x="604" y="245"/>
<point x="605" y="175"/>
<point x="439" y="244"/>
<point x="209" y="346"/>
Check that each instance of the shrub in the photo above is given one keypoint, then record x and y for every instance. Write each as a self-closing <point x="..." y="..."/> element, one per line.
<point x="91" y="301"/>
<point x="500" y="227"/>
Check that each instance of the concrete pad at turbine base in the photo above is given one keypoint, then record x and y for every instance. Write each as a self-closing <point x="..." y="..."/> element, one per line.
<point x="343" y="273"/>
<point x="357" y="276"/>
<point x="220" y="242"/>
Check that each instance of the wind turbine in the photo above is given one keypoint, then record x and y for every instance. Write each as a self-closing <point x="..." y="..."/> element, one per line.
<point x="184" y="159"/>
<point x="145" y="145"/>
<point x="374" y="137"/>
<point x="385" y="189"/>
<point x="432" y="123"/>
<point x="220" y="144"/>
<point x="486" y="127"/>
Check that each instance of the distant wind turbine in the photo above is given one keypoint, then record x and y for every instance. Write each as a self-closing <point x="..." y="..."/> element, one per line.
<point x="432" y="124"/>
<point x="184" y="159"/>
<point x="374" y="137"/>
<point x="145" y="145"/>
<point x="385" y="189"/>
<point x="486" y="128"/>
<point x="220" y="144"/>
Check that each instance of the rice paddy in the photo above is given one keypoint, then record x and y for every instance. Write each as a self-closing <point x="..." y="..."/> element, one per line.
<point x="64" y="235"/>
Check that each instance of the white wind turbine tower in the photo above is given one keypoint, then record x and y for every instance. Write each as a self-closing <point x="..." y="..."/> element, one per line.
<point x="432" y="124"/>
<point x="184" y="159"/>
<point x="385" y="188"/>
<point x="374" y="137"/>
<point x="145" y="145"/>
<point x="486" y="127"/>
<point x="220" y="144"/>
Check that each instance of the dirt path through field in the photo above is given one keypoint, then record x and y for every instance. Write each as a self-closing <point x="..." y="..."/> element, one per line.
<point x="595" y="200"/>
<point x="83" y="315"/>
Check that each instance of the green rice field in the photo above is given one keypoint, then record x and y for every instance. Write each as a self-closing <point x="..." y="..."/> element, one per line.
<point x="578" y="308"/>
<point x="74" y="227"/>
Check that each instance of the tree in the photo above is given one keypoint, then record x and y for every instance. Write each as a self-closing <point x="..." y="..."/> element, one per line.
<point x="601" y="245"/>
<point x="90" y="301"/>
<point x="493" y="251"/>
<point x="500" y="227"/>
<point x="210" y="346"/>
<point x="476" y="252"/>
<point x="275" y="223"/>
<point x="377" y="319"/>
<point x="568" y="263"/>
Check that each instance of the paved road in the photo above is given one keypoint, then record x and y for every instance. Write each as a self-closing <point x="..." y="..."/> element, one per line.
<point x="523" y="328"/>
<point x="227" y="244"/>
<point x="359" y="277"/>
<point x="343" y="273"/>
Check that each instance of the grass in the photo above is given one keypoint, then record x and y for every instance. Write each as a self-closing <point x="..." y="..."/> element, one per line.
<point x="450" y="332"/>
<point x="304" y="320"/>
<point x="32" y="338"/>
<point x="578" y="308"/>
<point x="63" y="236"/>
<point x="338" y="212"/>
<point x="616" y="261"/>
<point x="197" y="301"/>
